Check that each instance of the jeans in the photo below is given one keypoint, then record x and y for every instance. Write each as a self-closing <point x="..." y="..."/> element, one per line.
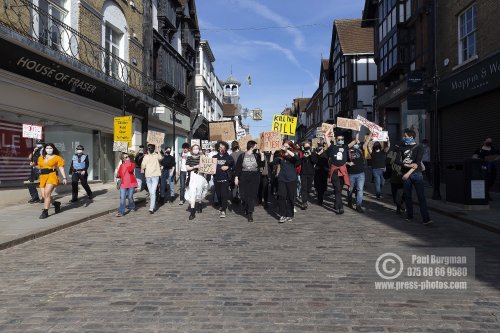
<point x="182" y="180"/>
<point x="417" y="180"/>
<point x="152" y="183"/>
<point x="357" y="183"/>
<point x="166" y="180"/>
<point x="138" y="176"/>
<point x="378" y="176"/>
<point x="299" y="187"/>
<point x="124" y="193"/>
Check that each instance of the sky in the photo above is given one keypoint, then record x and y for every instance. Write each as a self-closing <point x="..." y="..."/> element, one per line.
<point x="284" y="63"/>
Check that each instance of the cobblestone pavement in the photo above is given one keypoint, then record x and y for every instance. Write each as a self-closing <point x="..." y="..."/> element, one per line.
<point x="163" y="273"/>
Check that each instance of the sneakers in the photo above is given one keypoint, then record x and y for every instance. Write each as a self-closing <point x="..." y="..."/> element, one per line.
<point x="119" y="215"/>
<point x="428" y="222"/>
<point x="151" y="212"/>
<point x="57" y="207"/>
<point x="32" y="201"/>
<point x="250" y="218"/>
<point x="193" y="214"/>
<point x="73" y="200"/>
<point x="181" y="202"/>
<point x="360" y="209"/>
<point x="222" y="214"/>
<point x="45" y="214"/>
<point x="289" y="219"/>
<point x="283" y="219"/>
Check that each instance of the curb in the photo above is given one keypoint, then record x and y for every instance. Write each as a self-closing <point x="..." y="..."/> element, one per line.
<point x="46" y="232"/>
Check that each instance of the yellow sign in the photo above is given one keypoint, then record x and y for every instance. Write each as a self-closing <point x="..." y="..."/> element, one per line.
<point x="284" y="124"/>
<point x="123" y="129"/>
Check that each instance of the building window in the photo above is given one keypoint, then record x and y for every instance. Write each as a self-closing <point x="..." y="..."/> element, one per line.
<point x="467" y="34"/>
<point x="198" y="64"/>
<point x="112" y="45"/>
<point x="331" y="113"/>
<point x="50" y="29"/>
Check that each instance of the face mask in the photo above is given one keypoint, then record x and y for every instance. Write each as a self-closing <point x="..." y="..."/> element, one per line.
<point x="408" y="141"/>
<point x="79" y="151"/>
<point x="488" y="144"/>
<point x="168" y="152"/>
<point x="151" y="150"/>
<point x="196" y="151"/>
<point x="254" y="150"/>
<point x="356" y="146"/>
<point x="307" y="148"/>
<point x="340" y="142"/>
<point x="49" y="151"/>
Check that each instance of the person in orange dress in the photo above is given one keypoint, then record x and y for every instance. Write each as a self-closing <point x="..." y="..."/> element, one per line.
<point x="48" y="163"/>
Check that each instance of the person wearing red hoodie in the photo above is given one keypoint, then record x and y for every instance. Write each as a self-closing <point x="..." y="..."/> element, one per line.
<point x="128" y="184"/>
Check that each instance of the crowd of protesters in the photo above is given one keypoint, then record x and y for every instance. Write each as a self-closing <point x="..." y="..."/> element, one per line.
<point x="247" y="177"/>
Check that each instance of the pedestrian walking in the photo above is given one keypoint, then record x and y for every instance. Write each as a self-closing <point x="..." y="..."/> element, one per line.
<point x="337" y="155"/>
<point x="411" y="162"/>
<point x="151" y="169"/>
<point x="489" y="155"/>
<point x="308" y="160"/>
<point x="265" y="179"/>
<point x="236" y="152"/>
<point x="222" y="177"/>
<point x="321" y="173"/>
<point x="378" y="155"/>
<point x="49" y="163"/>
<point x="248" y="177"/>
<point x="138" y="175"/>
<point x="183" y="155"/>
<point x="298" y="151"/>
<point x="287" y="181"/>
<point x="167" y="177"/>
<point x="127" y="183"/>
<point x="356" y="170"/>
<point x="196" y="184"/>
<point x="79" y="172"/>
<point x="35" y="172"/>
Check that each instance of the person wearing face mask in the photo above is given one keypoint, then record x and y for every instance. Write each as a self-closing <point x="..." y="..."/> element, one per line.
<point x="182" y="173"/>
<point x="196" y="184"/>
<point x="287" y="181"/>
<point x="410" y="160"/>
<point x="379" y="158"/>
<point x="151" y="168"/>
<point x="307" y="162"/>
<point x="338" y="154"/>
<point x="222" y="177"/>
<point x="49" y="163"/>
<point x="127" y="185"/>
<point x="321" y="173"/>
<point x="138" y="175"/>
<point x="79" y="172"/>
<point x="35" y="172"/>
<point x="489" y="155"/>
<point x="247" y="177"/>
<point x="167" y="176"/>
<point x="356" y="171"/>
<point x="236" y="152"/>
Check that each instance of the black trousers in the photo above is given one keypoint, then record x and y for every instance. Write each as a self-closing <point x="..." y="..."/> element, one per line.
<point x="306" y="186"/>
<point x="264" y="189"/>
<point x="338" y="184"/>
<point x="75" y="177"/>
<point x="35" y="174"/>
<point x="320" y="183"/>
<point x="249" y="189"/>
<point x="287" y="193"/>
<point x="397" y="195"/>
<point x="223" y="192"/>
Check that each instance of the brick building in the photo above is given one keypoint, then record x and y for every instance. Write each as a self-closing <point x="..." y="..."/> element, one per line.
<point x="468" y="64"/>
<point x="72" y="66"/>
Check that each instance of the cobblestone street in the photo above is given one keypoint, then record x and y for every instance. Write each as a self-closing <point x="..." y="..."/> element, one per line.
<point x="163" y="273"/>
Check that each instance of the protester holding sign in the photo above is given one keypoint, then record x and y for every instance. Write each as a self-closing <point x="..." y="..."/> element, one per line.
<point x="378" y="155"/>
<point x="247" y="177"/>
<point x="287" y="180"/>
<point x="49" y="163"/>
<point x="222" y="177"/>
<point x="196" y="184"/>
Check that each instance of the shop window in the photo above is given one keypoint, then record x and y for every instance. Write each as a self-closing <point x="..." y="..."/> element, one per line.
<point x="467" y="23"/>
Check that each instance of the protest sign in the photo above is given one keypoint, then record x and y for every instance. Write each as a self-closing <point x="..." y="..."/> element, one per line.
<point x="352" y="124"/>
<point x="32" y="131"/>
<point x="121" y="146"/>
<point x="243" y="142"/>
<point x="270" y="141"/>
<point x="240" y="133"/>
<point x="196" y="142"/>
<point x="319" y="132"/>
<point x="380" y="136"/>
<point x="222" y="131"/>
<point x="368" y="124"/>
<point x="327" y="129"/>
<point x="284" y="124"/>
<point x="122" y="130"/>
<point x="315" y="142"/>
<point x="156" y="138"/>
<point x="208" y="165"/>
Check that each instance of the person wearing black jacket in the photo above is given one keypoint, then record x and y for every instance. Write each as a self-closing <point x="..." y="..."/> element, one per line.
<point x="35" y="172"/>
<point x="410" y="159"/>
<point x="167" y="176"/>
<point x="356" y="170"/>
<point x="308" y="160"/>
<point x="222" y="177"/>
<point x="247" y="177"/>
<point x="79" y="172"/>
<point x="265" y="178"/>
<point x="321" y="173"/>
<point x="287" y="181"/>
